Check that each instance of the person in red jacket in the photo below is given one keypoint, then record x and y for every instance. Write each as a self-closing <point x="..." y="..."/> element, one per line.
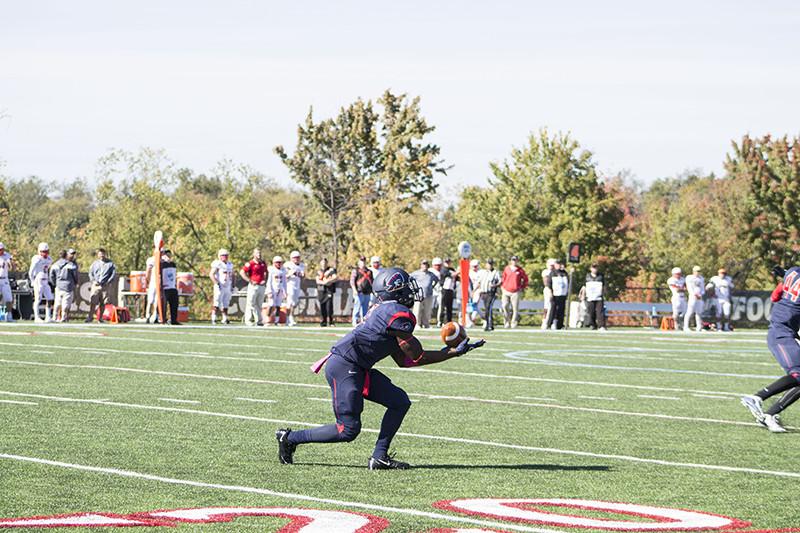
<point x="513" y="282"/>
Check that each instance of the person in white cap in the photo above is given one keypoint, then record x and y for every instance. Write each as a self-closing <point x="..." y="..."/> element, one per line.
<point x="39" y="276"/>
<point x="696" y="288"/>
<point x="375" y="266"/>
<point x="677" y="286"/>
<point x="276" y="290"/>
<point x="6" y="297"/>
<point x="295" y="272"/>
<point x="475" y="292"/>
<point x="722" y="285"/>
<point x="547" y="292"/>
<point x="221" y="275"/>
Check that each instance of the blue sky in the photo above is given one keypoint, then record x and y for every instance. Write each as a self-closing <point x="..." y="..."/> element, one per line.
<point x="654" y="88"/>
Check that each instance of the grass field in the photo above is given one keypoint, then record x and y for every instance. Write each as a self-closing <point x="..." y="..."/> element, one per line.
<point x="131" y="419"/>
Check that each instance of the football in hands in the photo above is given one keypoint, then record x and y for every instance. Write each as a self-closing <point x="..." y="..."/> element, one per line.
<point x="453" y="334"/>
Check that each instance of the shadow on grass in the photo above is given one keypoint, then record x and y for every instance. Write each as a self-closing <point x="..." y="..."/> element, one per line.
<point x="546" y="467"/>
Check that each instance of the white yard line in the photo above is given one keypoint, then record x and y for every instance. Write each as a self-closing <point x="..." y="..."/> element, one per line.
<point x="15" y="402"/>
<point x="604" y="398"/>
<point x="496" y="444"/>
<point x="652" y="397"/>
<point x="430" y="396"/>
<point x="176" y="400"/>
<point x="255" y="400"/>
<point x="273" y="493"/>
<point x="534" y="398"/>
<point x="326" y="400"/>
<point x="713" y="397"/>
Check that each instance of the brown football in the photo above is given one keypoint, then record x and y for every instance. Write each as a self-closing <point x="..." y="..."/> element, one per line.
<point x="453" y="334"/>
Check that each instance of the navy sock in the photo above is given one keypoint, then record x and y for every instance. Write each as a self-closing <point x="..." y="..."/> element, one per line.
<point x="327" y="433"/>
<point x="786" y="400"/>
<point x="390" y="424"/>
<point x="778" y="386"/>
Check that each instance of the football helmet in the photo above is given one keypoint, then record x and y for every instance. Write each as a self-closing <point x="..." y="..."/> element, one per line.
<point x="394" y="284"/>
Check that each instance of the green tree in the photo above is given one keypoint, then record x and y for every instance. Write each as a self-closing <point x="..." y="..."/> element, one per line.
<point x="771" y="170"/>
<point x="544" y="196"/>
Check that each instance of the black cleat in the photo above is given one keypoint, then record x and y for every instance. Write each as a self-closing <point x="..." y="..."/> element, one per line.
<point x="285" y="448"/>
<point x="387" y="462"/>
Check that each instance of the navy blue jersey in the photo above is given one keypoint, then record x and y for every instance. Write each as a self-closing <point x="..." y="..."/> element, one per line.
<point x="370" y="341"/>
<point x="786" y="311"/>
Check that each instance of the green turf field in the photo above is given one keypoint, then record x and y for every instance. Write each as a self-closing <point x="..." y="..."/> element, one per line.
<point x="131" y="419"/>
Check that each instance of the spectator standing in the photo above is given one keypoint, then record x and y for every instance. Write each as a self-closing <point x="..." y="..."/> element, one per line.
<point x="547" y="291"/>
<point x="446" y="285"/>
<point x="695" y="287"/>
<point x="326" y="289"/>
<point x="276" y="290"/>
<point x="489" y="282"/>
<point x="677" y="286"/>
<point x="361" y="285"/>
<point x="513" y="282"/>
<point x="474" y="291"/>
<point x="6" y="296"/>
<point x="295" y="272"/>
<point x="595" y="289"/>
<point x="169" y="286"/>
<point x="39" y="276"/>
<point x="375" y="266"/>
<point x="722" y="284"/>
<point x="560" y="285"/>
<point x="101" y="274"/>
<point x="254" y="272"/>
<point x="426" y="281"/>
<point x="221" y="275"/>
<point x="64" y="275"/>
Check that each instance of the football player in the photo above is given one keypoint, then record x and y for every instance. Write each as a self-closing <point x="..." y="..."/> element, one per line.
<point x="696" y="287"/>
<point x="276" y="290"/>
<point x="39" y="276"/>
<point x="295" y="272"/>
<point x="221" y="275"/>
<point x="722" y="285"/>
<point x="387" y="330"/>
<point x="677" y="285"/>
<point x="782" y="341"/>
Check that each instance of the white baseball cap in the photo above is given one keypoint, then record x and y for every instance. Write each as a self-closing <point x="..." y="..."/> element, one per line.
<point x="696" y="268"/>
<point x="2" y="246"/>
<point x="222" y="251"/>
<point x="43" y="247"/>
<point x="277" y="259"/>
<point x="551" y="262"/>
<point x="437" y="260"/>
<point x="294" y="254"/>
<point x="375" y="259"/>
<point x="474" y="262"/>
<point x="677" y="270"/>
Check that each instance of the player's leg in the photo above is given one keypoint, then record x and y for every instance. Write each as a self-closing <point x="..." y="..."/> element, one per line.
<point x="249" y="305"/>
<point x="347" y="383"/>
<point x="6" y="298"/>
<point x="698" y="315"/>
<point x="786" y="351"/>
<point x="259" y="303"/>
<point x="726" y="315"/>
<point x="381" y="390"/>
<point x="718" y="313"/>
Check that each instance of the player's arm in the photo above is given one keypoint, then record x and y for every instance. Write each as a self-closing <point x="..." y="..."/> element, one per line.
<point x="243" y="273"/>
<point x="411" y="353"/>
<point x="213" y="275"/>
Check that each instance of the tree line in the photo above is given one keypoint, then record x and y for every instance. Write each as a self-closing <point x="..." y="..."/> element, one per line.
<point x="367" y="183"/>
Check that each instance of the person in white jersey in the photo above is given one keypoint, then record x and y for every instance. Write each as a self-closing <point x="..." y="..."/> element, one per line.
<point x="276" y="290"/>
<point x="39" y="274"/>
<point x="295" y="272"/>
<point x="677" y="286"/>
<point x="221" y="275"/>
<point x="722" y="284"/>
<point x="6" y="297"/>
<point x="695" y="288"/>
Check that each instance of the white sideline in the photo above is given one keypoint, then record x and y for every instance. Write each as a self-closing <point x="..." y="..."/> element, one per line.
<point x="431" y="396"/>
<point x="268" y="492"/>
<point x="15" y="402"/>
<point x="459" y="440"/>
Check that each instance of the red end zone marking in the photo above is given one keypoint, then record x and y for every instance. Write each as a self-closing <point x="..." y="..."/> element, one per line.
<point x="527" y="511"/>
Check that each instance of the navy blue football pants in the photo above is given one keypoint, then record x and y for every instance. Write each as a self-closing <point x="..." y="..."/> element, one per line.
<point x="350" y="385"/>
<point x="784" y="348"/>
